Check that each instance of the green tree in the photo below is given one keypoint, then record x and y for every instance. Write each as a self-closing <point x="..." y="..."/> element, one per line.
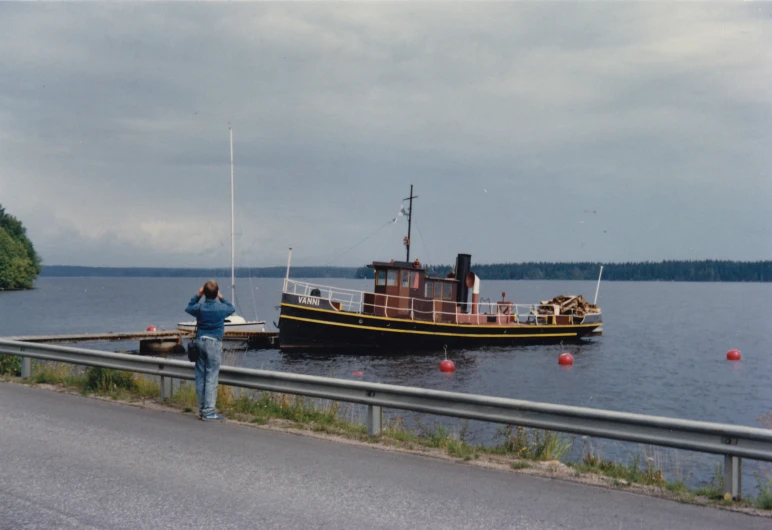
<point x="19" y="263"/>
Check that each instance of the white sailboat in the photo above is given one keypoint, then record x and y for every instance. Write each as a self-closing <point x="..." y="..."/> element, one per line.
<point x="234" y="323"/>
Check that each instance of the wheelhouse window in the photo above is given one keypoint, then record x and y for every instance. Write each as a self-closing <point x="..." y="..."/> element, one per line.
<point x="405" y="278"/>
<point x="438" y="290"/>
<point x="414" y="280"/>
<point x="380" y="277"/>
<point x="391" y="279"/>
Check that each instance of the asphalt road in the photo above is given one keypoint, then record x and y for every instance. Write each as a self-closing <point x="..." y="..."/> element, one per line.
<point x="73" y="462"/>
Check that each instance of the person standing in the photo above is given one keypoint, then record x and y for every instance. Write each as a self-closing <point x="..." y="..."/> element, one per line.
<point x="211" y="315"/>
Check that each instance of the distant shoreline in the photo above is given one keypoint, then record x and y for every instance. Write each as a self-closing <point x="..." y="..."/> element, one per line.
<point x="684" y="271"/>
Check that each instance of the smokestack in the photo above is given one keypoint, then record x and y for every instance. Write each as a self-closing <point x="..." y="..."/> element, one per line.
<point x="473" y="281"/>
<point x="463" y="266"/>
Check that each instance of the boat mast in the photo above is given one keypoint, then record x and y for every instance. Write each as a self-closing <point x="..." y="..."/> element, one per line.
<point x="409" y="220"/>
<point x="233" y="249"/>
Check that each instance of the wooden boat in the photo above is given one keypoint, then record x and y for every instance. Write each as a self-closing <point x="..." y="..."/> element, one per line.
<point x="411" y="311"/>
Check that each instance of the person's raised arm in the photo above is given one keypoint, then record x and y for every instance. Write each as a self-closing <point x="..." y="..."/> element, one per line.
<point x="194" y="308"/>
<point x="229" y="309"/>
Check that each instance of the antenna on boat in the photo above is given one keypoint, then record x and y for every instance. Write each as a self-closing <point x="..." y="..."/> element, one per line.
<point x="233" y="247"/>
<point x="409" y="220"/>
<point x="598" y="286"/>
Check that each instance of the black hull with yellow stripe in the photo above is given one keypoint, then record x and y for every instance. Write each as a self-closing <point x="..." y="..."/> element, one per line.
<point x="313" y="324"/>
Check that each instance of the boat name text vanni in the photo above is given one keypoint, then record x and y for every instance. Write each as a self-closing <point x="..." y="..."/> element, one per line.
<point x="307" y="300"/>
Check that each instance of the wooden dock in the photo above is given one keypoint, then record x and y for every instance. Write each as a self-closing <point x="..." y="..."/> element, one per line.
<point x="255" y="339"/>
<point x="155" y="341"/>
<point x="175" y="335"/>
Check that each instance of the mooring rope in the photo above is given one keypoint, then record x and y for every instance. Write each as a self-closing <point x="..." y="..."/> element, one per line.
<point x="338" y="256"/>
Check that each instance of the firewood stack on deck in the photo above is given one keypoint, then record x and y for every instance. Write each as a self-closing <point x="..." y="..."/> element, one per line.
<point x="565" y="305"/>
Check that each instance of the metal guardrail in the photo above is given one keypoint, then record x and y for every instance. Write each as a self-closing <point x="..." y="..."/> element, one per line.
<point x="732" y="441"/>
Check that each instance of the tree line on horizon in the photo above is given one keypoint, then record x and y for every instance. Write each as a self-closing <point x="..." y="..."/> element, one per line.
<point x="19" y="263"/>
<point x="202" y="273"/>
<point x="671" y="270"/>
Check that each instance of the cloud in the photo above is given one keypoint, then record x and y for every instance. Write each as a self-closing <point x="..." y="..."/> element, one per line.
<point x="114" y="143"/>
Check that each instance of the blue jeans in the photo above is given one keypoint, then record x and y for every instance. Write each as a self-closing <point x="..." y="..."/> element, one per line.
<point x="207" y="371"/>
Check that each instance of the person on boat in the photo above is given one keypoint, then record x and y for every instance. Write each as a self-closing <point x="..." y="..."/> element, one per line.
<point x="210" y="315"/>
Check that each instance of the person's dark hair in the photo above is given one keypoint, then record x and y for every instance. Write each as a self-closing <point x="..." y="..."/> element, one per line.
<point x="211" y="289"/>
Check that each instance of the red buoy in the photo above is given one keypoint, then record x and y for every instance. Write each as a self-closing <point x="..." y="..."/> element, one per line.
<point x="357" y="374"/>
<point x="734" y="355"/>
<point x="566" y="359"/>
<point x="150" y="328"/>
<point x="447" y="366"/>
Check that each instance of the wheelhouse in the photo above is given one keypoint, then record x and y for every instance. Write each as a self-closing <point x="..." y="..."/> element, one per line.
<point x="403" y="290"/>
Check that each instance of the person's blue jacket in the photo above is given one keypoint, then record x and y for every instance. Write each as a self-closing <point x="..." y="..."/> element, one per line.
<point x="211" y="315"/>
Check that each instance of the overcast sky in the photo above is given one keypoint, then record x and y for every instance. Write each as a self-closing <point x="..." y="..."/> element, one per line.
<point x="545" y="132"/>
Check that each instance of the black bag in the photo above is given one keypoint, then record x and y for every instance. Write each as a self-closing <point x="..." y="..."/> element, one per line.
<point x="193" y="347"/>
<point x="193" y="351"/>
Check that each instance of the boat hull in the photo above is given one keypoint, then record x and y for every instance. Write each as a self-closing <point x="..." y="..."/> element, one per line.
<point x="323" y="328"/>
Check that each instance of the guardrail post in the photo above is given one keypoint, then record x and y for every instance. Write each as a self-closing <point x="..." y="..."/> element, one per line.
<point x="26" y="367"/>
<point x="374" y="420"/>
<point x="733" y="476"/>
<point x="166" y="387"/>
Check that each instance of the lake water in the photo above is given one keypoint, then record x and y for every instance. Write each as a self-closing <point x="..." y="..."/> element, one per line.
<point x="662" y="352"/>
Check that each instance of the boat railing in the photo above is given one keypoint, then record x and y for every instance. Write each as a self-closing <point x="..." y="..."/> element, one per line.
<point x="353" y="301"/>
<point x="350" y="300"/>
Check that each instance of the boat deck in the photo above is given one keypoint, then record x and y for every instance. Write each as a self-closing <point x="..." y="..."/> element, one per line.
<point x="323" y="298"/>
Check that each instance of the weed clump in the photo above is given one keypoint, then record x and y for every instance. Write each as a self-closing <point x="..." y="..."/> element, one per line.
<point x="682" y="491"/>
<point x="269" y="405"/>
<point x="441" y="438"/>
<point x="715" y="489"/>
<point x="185" y="396"/>
<point x="108" y="380"/>
<point x="632" y="474"/>
<point x="145" y="387"/>
<point x="764" y="499"/>
<point x="10" y="365"/>
<point x="531" y="444"/>
<point x="53" y="373"/>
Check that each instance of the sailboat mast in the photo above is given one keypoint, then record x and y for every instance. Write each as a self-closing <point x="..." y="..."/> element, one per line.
<point x="233" y="248"/>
